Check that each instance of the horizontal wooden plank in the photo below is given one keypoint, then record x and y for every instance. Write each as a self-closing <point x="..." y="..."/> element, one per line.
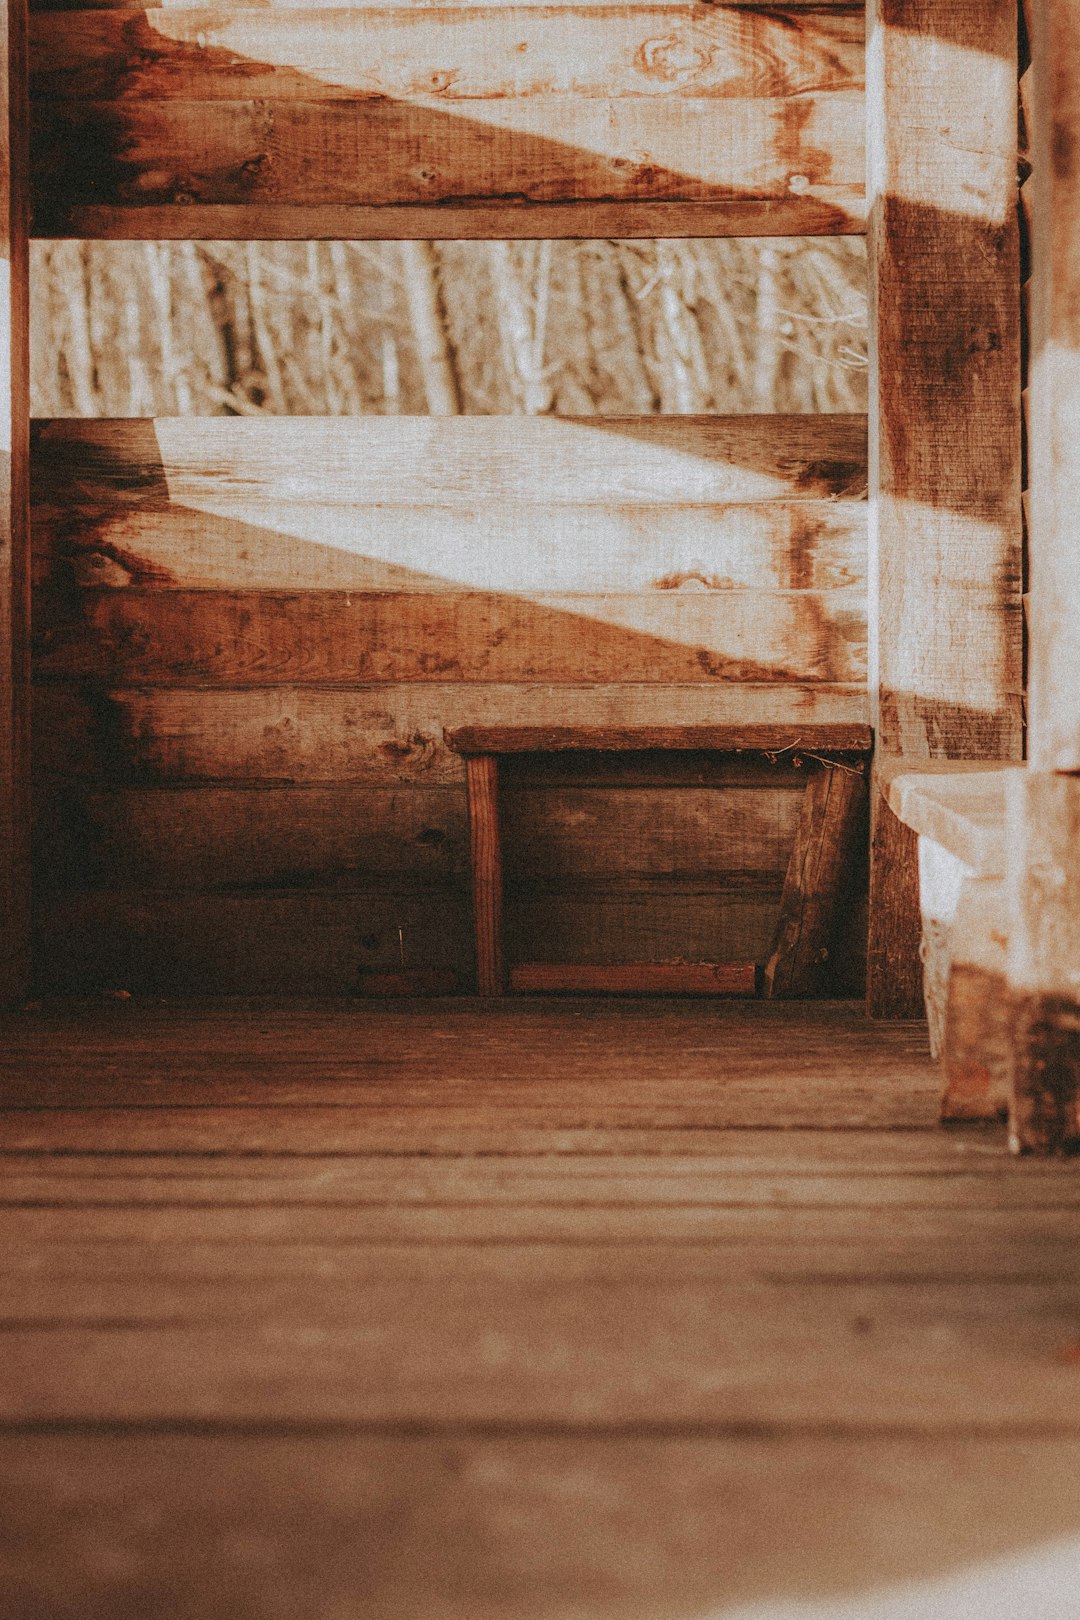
<point x="693" y="833"/>
<point x="636" y="978"/>
<point x="621" y="925"/>
<point x="574" y="1358"/>
<point x="495" y="1523"/>
<point x="88" y="534"/>
<point x="383" y="735"/>
<point x="321" y="836"/>
<point x="676" y="769"/>
<point x="144" y="637"/>
<point x="943" y="1164"/>
<point x="319" y="942"/>
<point x="518" y="739"/>
<point x="556" y="1223"/>
<point x="144" y="1182"/>
<point x="439" y="55"/>
<point x="510" y="220"/>
<point x="311" y="478"/>
<point x="807" y="153"/>
<point x="37" y="7"/>
<point x="207" y="838"/>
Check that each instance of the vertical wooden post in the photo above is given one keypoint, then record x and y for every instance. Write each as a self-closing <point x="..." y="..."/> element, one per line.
<point x="1043" y="879"/>
<point x="14" y="512"/>
<point x="945" y="524"/>
<point x="485" y="852"/>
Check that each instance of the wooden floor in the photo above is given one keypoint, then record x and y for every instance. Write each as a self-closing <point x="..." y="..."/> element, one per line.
<point x="568" y="1310"/>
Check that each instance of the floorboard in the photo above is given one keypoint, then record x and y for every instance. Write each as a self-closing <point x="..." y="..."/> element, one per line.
<point x="552" y="1309"/>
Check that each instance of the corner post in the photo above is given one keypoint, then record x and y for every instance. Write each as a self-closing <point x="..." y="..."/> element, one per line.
<point x="1043" y="879"/>
<point x="14" y="511"/>
<point x="944" y="409"/>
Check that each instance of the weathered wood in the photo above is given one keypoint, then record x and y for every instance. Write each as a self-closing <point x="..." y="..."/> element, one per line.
<point x="87" y="532"/>
<point x="39" y="7"/>
<point x="636" y="978"/>
<point x="1054" y="613"/>
<point x="532" y="504"/>
<point x="822" y="856"/>
<point x="383" y="735"/>
<point x="442" y="55"/>
<point x="512" y="739"/>
<point x="1043" y="816"/>
<point x="1043" y="884"/>
<point x="321" y="836"/>
<point x="409" y="982"/>
<point x="379" y="114"/>
<point x="146" y="637"/>
<point x="272" y="837"/>
<point x="14" y="513"/>
<point x="893" y="968"/>
<point x="689" y="833"/>
<point x="945" y="526"/>
<point x="509" y="221"/>
<point x="300" y="1521"/>
<point x="383" y="154"/>
<point x="485" y="864"/>
<point x="960" y="805"/>
<point x="302" y="941"/>
<point x="979" y="1027"/>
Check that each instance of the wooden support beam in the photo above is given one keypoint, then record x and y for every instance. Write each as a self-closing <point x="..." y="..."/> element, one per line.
<point x="825" y="848"/>
<point x="944" y="552"/>
<point x="1043" y="882"/>
<point x="14" y="513"/>
<point x="485" y="852"/>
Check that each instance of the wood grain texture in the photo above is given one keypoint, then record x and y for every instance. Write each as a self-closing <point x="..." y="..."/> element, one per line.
<point x="912" y="1505"/>
<point x="371" y="1299"/>
<point x="1054" y="736"/>
<point x="309" y="942"/>
<point x="145" y="637"/>
<point x="765" y="739"/>
<point x="272" y="580"/>
<point x="533" y="504"/>
<point x="894" y="968"/>
<point x="14" y="514"/>
<point x="1043" y="963"/>
<point x="945" y="587"/>
<point x="636" y="978"/>
<point x="485" y="866"/>
<point x="457" y="109"/>
<point x="961" y="806"/>
<point x="127" y="156"/>
<point x="321" y="836"/>
<point x="823" y="857"/>
<point x="382" y="735"/>
<point x="946" y="653"/>
<point x="440" y="55"/>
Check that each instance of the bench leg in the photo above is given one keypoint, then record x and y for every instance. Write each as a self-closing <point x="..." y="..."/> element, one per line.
<point x="485" y="854"/>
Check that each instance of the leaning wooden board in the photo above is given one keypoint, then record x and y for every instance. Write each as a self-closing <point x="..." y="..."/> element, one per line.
<point x="649" y="119"/>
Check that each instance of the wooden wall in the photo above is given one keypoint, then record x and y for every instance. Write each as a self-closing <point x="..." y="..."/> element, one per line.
<point x="250" y="634"/>
<point x="650" y="118"/>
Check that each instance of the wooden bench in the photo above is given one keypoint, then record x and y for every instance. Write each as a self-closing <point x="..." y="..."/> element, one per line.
<point x="826" y="841"/>
<point x="957" y="811"/>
